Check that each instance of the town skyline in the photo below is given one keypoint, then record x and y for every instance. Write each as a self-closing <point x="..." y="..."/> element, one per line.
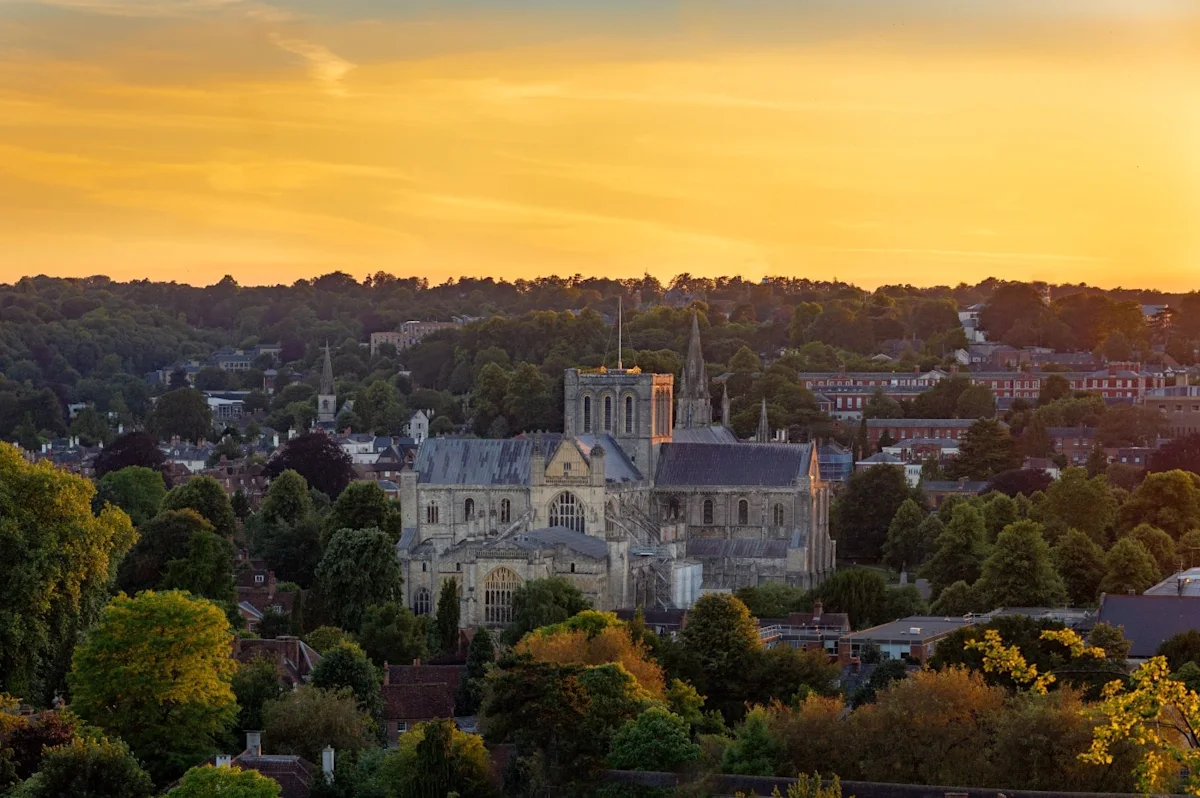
<point x="912" y="141"/>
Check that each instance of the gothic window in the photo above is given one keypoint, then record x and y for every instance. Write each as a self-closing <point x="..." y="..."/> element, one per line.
<point x="422" y="602"/>
<point x="708" y="512"/>
<point x="497" y="596"/>
<point x="743" y="512"/>
<point x="673" y="508"/>
<point x="777" y="514"/>
<point x="468" y="509"/>
<point x="431" y="514"/>
<point x="628" y="415"/>
<point x="505" y="511"/>
<point x="587" y="414"/>
<point x="608" y="414"/>
<point x="567" y="511"/>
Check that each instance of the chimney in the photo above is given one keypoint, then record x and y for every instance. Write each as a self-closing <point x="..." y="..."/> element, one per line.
<point x="327" y="763"/>
<point x="416" y="663"/>
<point x="254" y="743"/>
<point x="275" y="440"/>
<point x="818" y="607"/>
<point x="270" y="585"/>
<point x="224" y="760"/>
<point x="387" y="674"/>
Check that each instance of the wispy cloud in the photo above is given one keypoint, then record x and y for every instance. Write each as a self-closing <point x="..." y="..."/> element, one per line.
<point x="325" y="66"/>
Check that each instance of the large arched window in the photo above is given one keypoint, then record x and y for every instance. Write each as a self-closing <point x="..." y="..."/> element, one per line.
<point x="628" y="415"/>
<point x="608" y="413"/>
<point x="468" y="509"/>
<point x="505" y="511"/>
<point x="743" y="512"/>
<point x="587" y="414"/>
<point x="567" y="511"/>
<point x="708" y="512"/>
<point x="422" y="602"/>
<point x="497" y="596"/>
<point x="777" y="514"/>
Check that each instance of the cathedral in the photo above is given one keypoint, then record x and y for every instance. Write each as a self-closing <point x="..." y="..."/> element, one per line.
<point x="641" y="501"/>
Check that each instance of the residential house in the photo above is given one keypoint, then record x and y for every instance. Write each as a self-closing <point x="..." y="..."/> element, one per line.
<point x="1149" y="619"/>
<point x="242" y="474"/>
<point x="899" y="429"/>
<point x="418" y="693"/>
<point x="1073" y="443"/>
<point x="295" y="775"/>
<point x="257" y="595"/>
<point x="294" y="659"/>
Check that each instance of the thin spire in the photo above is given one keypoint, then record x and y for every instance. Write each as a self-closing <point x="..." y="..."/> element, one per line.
<point x="327" y="373"/>
<point x="695" y="371"/>
<point x="764" y="428"/>
<point x="620" y="324"/>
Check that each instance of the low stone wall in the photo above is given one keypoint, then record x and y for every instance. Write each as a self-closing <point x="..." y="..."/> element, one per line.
<point x="762" y="786"/>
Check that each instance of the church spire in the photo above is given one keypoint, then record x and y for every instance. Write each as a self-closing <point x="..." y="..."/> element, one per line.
<point x="725" y="403"/>
<point x="695" y="401"/>
<point x="327" y="373"/>
<point x="764" y="428"/>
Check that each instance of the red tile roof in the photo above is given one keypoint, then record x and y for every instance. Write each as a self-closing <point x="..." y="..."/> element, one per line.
<point x="418" y="702"/>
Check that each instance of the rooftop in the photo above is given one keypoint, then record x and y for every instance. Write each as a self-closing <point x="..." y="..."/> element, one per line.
<point x="915" y="628"/>
<point x="1148" y="620"/>
<point x="733" y="464"/>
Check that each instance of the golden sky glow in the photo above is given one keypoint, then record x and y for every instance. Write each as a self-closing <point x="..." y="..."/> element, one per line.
<point x="923" y="141"/>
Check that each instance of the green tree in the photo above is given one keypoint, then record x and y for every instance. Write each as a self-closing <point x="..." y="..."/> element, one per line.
<point x="1188" y="549"/>
<point x="1080" y="563"/>
<point x="1019" y="572"/>
<point x="755" y="751"/>
<point x="655" y="740"/>
<point x="905" y="546"/>
<point x="860" y="516"/>
<point x="156" y="671"/>
<point x="722" y="639"/>
<point x="254" y="684"/>
<point x="985" y="451"/>
<point x="136" y="490"/>
<point x="287" y="501"/>
<point x="542" y="602"/>
<point x="213" y="782"/>
<point x="164" y="538"/>
<point x="1160" y="546"/>
<point x="1128" y="566"/>
<point x="880" y="405"/>
<point x="1097" y="462"/>
<point x="391" y="633"/>
<point x="325" y="638"/>
<point x="293" y="549"/>
<point x="182" y="413"/>
<point x="960" y="550"/>
<point x="487" y="400"/>
<point x="976" y="401"/>
<point x="999" y="511"/>
<point x="347" y="666"/>
<point x="858" y="592"/>
<point x="448" y="615"/>
<point x="1054" y="387"/>
<point x="1168" y="500"/>
<point x="436" y="759"/>
<point x="305" y="720"/>
<point x="206" y="571"/>
<point x="90" y="427"/>
<point x="317" y="458"/>
<point x="59" y="560"/>
<point x="957" y="599"/>
<point x="1181" y="649"/>
<point x="206" y="496"/>
<point x="364" y="505"/>
<point x="1036" y="442"/>
<point x="772" y="599"/>
<point x="480" y="655"/>
<point x="88" y="767"/>
<point x="1073" y="501"/>
<point x="359" y="568"/>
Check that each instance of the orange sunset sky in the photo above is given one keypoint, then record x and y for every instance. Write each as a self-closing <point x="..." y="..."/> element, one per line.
<point x="923" y="141"/>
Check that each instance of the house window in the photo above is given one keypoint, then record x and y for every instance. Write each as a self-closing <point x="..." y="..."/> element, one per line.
<point x="505" y="511"/>
<point x="777" y="514"/>
<point x="497" y="596"/>
<point x="608" y="414"/>
<point x="422" y="602"/>
<point x="401" y="726"/>
<point x="743" y="512"/>
<point x="468" y="509"/>
<point x="567" y="511"/>
<point x="708" y="512"/>
<point x="628" y="415"/>
<point x="587" y="414"/>
<point x="259" y="578"/>
<point x="431" y="514"/>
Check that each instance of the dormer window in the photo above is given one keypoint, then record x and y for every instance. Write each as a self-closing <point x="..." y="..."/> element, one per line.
<point x="259" y="578"/>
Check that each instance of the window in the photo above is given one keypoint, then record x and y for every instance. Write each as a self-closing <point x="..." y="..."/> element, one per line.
<point x="422" y="601"/>
<point x="628" y="415"/>
<point x="566" y="511"/>
<point x="708" y="512"/>
<point x="743" y="512"/>
<point x="401" y="726"/>
<point x="497" y="596"/>
<point x="259" y="578"/>
<point x="468" y="509"/>
<point x="431" y="514"/>
<point x="505" y="511"/>
<point x="587" y="414"/>
<point x="608" y="414"/>
<point x="777" y="515"/>
<point x="424" y="567"/>
<point x="572" y="567"/>
<point x="458" y="566"/>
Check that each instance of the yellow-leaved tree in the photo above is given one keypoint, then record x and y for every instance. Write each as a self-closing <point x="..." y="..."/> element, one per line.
<point x="595" y="638"/>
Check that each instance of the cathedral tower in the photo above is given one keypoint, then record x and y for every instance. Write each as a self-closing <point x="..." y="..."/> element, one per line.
<point x="695" y="402"/>
<point x="326" y="397"/>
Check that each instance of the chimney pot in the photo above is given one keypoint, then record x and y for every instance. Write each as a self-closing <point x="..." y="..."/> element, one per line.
<point x="327" y="763"/>
<point x="224" y="760"/>
<point x="818" y="608"/>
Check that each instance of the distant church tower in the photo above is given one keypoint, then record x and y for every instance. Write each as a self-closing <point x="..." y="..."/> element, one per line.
<point x="326" y="397"/>
<point x="695" y="402"/>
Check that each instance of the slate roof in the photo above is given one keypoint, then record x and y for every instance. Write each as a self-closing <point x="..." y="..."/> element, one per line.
<point x="479" y="461"/>
<point x="732" y="464"/>
<point x="617" y="467"/>
<point x="717" y="547"/>
<point x="1149" y="620"/>
<point x="717" y="434"/>
<point x="561" y="536"/>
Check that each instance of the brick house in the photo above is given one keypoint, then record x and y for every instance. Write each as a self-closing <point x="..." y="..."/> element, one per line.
<point x="1074" y="443"/>
<point x="294" y="659"/>
<point x="900" y="429"/>
<point x="417" y="693"/>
